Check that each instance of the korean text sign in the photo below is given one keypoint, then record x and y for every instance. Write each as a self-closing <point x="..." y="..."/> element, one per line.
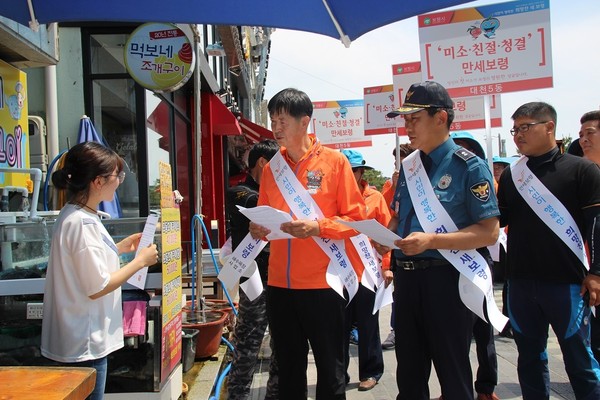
<point x="379" y="101"/>
<point x="171" y="274"/>
<point x="468" y="111"/>
<point x="159" y="57"/>
<point x="490" y="49"/>
<point x="340" y="124"/>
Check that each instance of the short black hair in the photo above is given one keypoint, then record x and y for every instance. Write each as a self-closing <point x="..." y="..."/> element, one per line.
<point x="536" y="109"/>
<point x="431" y="111"/>
<point x="590" y="116"/>
<point x="291" y="101"/>
<point x="265" y="149"/>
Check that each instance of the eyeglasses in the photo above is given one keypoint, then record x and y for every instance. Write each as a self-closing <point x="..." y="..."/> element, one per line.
<point x="525" y="127"/>
<point x="120" y="176"/>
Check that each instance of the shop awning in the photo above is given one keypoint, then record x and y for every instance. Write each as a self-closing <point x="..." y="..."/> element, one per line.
<point x="343" y="19"/>
<point x="254" y="132"/>
<point x="223" y="120"/>
<point x="158" y="121"/>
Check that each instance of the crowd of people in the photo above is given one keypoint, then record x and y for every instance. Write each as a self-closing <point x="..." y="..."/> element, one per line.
<point x="449" y="209"/>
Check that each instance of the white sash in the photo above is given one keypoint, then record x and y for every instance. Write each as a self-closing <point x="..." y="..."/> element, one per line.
<point x="241" y="263"/>
<point x="372" y="277"/>
<point x="302" y="205"/>
<point x="495" y="248"/>
<point x="550" y="210"/>
<point x="475" y="276"/>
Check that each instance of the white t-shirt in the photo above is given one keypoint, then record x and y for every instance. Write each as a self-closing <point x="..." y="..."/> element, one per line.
<point x="82" y="256"/>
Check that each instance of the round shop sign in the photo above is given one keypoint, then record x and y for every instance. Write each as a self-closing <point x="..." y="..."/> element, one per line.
<point x="159" y="56"/>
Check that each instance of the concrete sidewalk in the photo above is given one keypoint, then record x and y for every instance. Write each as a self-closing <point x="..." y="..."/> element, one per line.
<point x="508" y="386"/>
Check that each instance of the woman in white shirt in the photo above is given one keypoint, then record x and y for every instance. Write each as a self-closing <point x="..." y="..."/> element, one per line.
<point x="83" y="320"/>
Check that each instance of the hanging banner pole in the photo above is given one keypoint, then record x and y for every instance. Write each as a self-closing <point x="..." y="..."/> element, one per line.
<point x="488" y="131"/>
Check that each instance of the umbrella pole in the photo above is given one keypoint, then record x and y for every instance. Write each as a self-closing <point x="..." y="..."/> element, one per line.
<point x="198" y="163"/>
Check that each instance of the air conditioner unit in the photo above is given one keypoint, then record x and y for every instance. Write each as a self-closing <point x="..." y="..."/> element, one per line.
<point x="38" y="154"/>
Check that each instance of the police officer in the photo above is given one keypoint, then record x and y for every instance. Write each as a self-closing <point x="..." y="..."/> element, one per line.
<point x="252" y="316"/>
<point x="463" y="189"/>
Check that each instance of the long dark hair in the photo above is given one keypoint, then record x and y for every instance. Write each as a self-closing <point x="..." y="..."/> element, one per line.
<point x="83" y="163"/>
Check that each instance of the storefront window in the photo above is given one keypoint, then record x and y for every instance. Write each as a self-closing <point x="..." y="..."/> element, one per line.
<point x="169" y="140"/>
<point x="143" y="127"/>
<point x="114" y="115"/>
<point x="106" y="53"/>
<point x="158" y="130"/>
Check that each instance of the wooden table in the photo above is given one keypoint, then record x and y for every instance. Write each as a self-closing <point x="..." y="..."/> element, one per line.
<point x="48" y="383"/>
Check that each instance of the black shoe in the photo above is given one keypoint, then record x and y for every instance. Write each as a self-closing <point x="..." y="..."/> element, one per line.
<point x="390" y="342"/>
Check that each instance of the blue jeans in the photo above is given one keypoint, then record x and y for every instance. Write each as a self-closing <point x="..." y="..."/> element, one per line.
<point x="533" y="306"/>
<point x="100" y="365"/>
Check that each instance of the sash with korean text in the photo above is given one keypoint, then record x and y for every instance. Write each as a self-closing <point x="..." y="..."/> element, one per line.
<point x="475" y="282"/>
<point x="372" y="277"/>
<point x="339" y="271"/>
<point x="550" y="210"/>
<point x="241" y="263"/>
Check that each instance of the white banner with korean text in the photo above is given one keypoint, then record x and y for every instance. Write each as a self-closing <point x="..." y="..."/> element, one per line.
<point x="340" y="124"/>
<point x="489" y="49"/>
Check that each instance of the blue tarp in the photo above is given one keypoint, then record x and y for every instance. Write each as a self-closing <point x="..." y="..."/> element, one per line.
<point x="87" y="133"/>
<point x="354" y="17"/>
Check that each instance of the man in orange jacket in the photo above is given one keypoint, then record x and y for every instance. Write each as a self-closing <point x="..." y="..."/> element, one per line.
<point x="302" y="307"/>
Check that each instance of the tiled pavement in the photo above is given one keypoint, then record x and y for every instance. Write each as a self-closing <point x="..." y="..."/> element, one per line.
<point x="508" y="387"/>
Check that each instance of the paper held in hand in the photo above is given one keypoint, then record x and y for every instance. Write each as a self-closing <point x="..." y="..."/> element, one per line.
<point x="139" y="278"/>
<point x="375" y="231"/>
<point x="269" y="217"/>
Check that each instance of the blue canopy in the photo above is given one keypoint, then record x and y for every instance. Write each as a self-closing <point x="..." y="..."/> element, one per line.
<point x="87" y="133"/>
<point x="341" y="19"/>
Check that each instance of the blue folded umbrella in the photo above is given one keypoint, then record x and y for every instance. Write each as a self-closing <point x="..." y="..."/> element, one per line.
<point x="87" y="133"/>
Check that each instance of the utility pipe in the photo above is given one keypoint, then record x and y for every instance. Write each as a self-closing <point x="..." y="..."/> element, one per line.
<point x="51" y="112"/>
<point x="198" y="160"/>
<point x="37" y="180"/>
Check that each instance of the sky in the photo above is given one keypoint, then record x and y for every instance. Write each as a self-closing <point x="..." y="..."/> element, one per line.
<point x="326" y="70"/>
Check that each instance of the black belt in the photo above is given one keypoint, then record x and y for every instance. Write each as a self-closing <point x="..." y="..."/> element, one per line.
<point x="411" y="265"/>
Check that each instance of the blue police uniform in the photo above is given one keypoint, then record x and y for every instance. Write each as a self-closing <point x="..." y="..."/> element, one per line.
<point x="464" y="185"/>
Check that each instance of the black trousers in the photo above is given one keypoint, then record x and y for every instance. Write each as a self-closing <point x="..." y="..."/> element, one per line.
<point x="487" y="370"/>
<point x="432" y="325"/>
<point x="370" y="354"/>
<point x="595" y="335"/>
<point x="247" y="339"/>
<point x="298" y="318"/>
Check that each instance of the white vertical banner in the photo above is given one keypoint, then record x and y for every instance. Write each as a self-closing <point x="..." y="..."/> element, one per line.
<point x="340" y="123"/>
<point x="469" y="112"/>
<point x="379" y="101"/>
<point x="487" y="50"/>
